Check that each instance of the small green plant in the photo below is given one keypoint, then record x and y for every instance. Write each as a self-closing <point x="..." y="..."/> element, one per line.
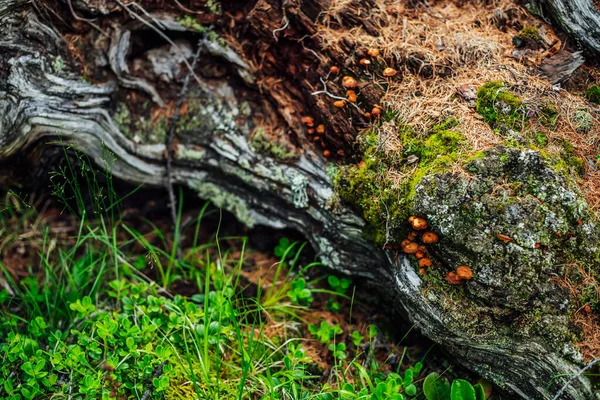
<point x="300" y="293"/>
<point x="338" y="350"/>
<point x="436" y="388"/>
<point x="357" y="338"/>
<point x="339" y="285"/>
<point x="283" y="247"/>
<point x="593" y="94"/>
<point x="325" y="332"/>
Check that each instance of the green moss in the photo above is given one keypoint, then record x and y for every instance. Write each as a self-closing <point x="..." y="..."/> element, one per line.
<point x="498" y="107"/>
<point x="541" y="139"/>
<point x="530" y="33"/>
<point x="548" y="115"/>
<point x="261" y="142"/>
<point x="566" y="160"/>
<point x="593" y="94"/>
<point x="373" y="187"/>
<point x="122" y="118"/>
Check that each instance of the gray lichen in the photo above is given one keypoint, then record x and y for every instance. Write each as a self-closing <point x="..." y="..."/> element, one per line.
<point x="517" y="194"/>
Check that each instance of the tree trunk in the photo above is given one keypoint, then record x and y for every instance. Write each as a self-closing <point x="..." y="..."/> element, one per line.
<point x="239" y="140"/>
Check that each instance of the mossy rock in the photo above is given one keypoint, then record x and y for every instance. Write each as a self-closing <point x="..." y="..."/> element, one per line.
<point x="516" y="193"/>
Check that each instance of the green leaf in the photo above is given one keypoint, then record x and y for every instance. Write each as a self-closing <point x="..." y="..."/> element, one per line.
<point x="436" y="388"/>
<point x="411" y="390"/>
<point x="333" y="281"/>
<point x="408" y="377"/>
<point x="462" y="390"/>
<point x="479" y="391"/>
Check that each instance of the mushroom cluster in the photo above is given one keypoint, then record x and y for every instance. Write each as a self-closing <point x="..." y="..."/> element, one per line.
<point x="318" y="131"/>
<point x="349" y="83"/>
<point x="462" y="274"/>
<point x="411" y="245"/>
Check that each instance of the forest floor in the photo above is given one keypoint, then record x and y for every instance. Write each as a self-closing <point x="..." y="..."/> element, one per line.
<point x="101" y="297"/>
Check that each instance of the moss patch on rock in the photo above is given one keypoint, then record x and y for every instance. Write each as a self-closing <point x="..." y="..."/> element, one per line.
<point x="499" y="107"/>
<point x="382" y="185"/>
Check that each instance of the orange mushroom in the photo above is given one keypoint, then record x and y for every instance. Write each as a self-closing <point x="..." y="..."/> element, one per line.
<point x="419" y="254"/>
<point x="425" y="262"/>
<point x="430" y="237"/>
<point x="321" y="129"/>
<point x="423" y="249"/>
<point x="422" y="271"/>
<point x="389" y="72"/>
<point x="376" y="111"/>
<point x="454" y="279"/>
<point x="351" y="95"/>
<point x="464" y="272"/>
<point x="349" y="82"/>
<point x="419" y="223"/>
<point x="339" y="103"/>
<point x="308" y="121"/>
<point x="364" y="62"/>
<point x="334" y="69"/>
<point x="326" y="153"/>
<point x="373" y="52"/>
<point x="410" y="248"/>
<point x="405" y="242"/>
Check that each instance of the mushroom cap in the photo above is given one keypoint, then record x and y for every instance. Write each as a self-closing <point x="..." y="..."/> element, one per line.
<point x="430" y="237"/>
<point x="411" y="218"/>
<point x="373" y="52"/>
<point x="349" y="82"/>
<point x="308" y="121"/>
<point x="423" y="249"/>
<point x="453" y="279"/>
<point x="405" y="242"/>
<point x="389" y="72"/>
<point x="419" y="223"/>
<point x="410" y="248"/>
<point x="334" y="69"/>
<point x="464" y="272"/>
<point x="376" y="111"/>
<point x="364" y="61"/>
<point x="422" y="271"/>
<point x="419" y="254"/>
<point x="339" y="103"/>
<point x="425" y="262"/>
<point x="321" y="129"/>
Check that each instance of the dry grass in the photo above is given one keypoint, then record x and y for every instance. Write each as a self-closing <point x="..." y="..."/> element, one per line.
<point x="588" y="321"/>
<point x="458" y="45"/>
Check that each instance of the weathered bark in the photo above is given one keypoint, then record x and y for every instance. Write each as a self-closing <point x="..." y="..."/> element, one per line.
<point x="216" y="157"/>
<point x="579" y="18"/>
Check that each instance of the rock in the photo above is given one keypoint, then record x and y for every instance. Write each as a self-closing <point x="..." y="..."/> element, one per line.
<point x="516" y="194"/>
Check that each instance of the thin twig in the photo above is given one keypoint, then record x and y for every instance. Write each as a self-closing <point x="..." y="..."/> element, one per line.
<point x="169" y="146"/>
<point x="333" y="96"/>
<point x="581" y="371"/>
